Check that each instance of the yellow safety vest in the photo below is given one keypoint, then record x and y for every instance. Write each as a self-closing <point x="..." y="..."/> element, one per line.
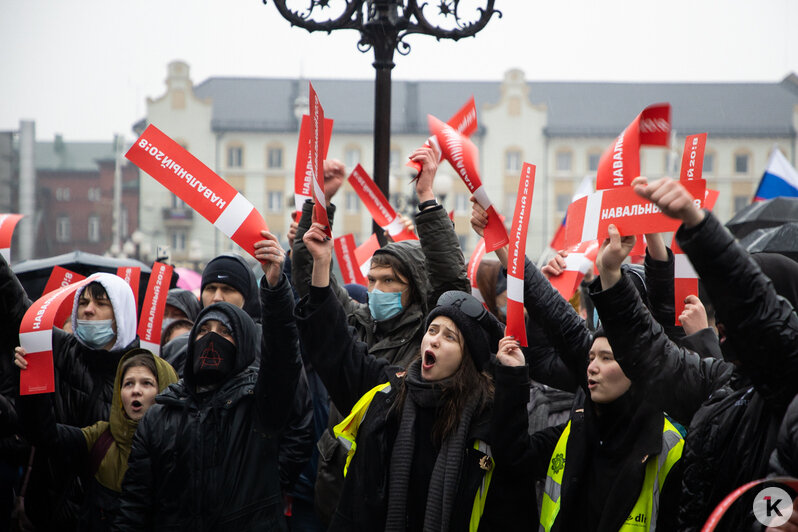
<point x="346" y="432"/>
<point x="644" y="513"/>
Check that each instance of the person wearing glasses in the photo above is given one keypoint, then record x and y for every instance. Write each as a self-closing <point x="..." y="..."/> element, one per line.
<point x="417" y="436"/>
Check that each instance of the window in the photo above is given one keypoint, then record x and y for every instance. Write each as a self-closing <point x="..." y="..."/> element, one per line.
<point x="62" y="194"/>
<point x="709" y="163"/>
<point x="593" y="161"/>
<point x="274" y="157"/>
<point x="352" y="157"/>
<point x="562" y="161"/>
<point x="274" y="201"/>
<point x="177" y="203"/>
<point x="461" y="204"/>
<point x="235" y="157"/>
<point x="95" y="194"/>
<point x="352" y="202"/>
<point x="179" y="241"/>
<point x="512" y="161"/>
<point x="562" y="201"/>
<point x="94" y="228"/>
<point x="741" y="163"/>
<point x="63" y="229"/>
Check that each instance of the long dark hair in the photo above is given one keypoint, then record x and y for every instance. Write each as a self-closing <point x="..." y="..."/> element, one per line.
<point x="465" y="383"/>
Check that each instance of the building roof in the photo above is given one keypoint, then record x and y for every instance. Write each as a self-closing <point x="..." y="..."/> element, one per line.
<point x="72" y="156"/>
<point x="574" y="108"/>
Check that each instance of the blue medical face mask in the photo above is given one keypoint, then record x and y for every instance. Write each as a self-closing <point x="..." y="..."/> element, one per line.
<point x="95" y="333"/>
<point x="384" y="305"/>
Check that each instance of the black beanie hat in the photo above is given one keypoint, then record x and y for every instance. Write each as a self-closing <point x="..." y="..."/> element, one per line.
<point x="480" y="329"/>
<point x="229" y="271"/>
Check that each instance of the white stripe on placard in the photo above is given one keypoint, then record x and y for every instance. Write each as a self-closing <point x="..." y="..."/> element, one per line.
<point x="682" y="267"/>
<point x="234" y="215"/>
<point x="482" y="197"/>
<point x="36" y="341"/>
<point x="299" y="200"/>
<point x="365" y="268"/>
<point x="577" y="262"/>
<point x="515" y="289"/>
<point x="6" y="253"/>
<point x="592" y="213"/>
<point x="153" y="348"/>
<point x="395" y="227"/>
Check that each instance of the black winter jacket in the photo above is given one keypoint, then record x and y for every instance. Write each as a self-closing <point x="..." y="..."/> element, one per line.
<point x="733" y="413"/>
<point x="209" y="462"/>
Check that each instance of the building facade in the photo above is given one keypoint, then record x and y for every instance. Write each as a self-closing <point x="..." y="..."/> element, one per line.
<point x="246" y="130"/>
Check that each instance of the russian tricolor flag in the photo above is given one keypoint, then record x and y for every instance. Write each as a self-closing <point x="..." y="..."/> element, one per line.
<point x="780" y="178"/>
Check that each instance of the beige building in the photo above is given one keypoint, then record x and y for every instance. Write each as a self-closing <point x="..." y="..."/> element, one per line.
<point x="246" y="130"/>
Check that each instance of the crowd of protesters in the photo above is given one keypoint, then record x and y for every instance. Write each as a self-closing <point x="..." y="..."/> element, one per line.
<point x="294" y="403"/>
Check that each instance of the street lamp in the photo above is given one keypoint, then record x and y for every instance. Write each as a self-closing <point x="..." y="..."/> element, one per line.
<point x="383" y="26"/>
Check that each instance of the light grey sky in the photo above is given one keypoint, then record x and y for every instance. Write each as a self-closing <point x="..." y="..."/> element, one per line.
<point x="85" y="69"/>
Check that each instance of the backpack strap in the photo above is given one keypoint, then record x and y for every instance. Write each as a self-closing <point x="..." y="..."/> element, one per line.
<point x="99" y="450"/>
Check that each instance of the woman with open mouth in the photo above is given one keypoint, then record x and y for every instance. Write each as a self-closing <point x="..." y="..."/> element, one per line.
<point x="418" y="436"/>
<point x="98" y="452"/>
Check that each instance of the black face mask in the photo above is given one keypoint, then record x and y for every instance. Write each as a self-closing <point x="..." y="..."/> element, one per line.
<point x="214" y="357"/>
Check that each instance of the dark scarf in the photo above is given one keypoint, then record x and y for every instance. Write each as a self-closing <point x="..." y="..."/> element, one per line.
<point x="446" y="473"/>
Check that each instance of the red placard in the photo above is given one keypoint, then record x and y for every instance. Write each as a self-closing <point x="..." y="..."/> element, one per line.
<point x="589" y="217"/>
<point x="473" y="267"/>
<point x="317" y="160"/>
<point x="462" y="155"/>
<point x="516" y="326"/>
<point x="7" y="224"/>
<point x="303" y="176"/>
<point x="153" y="307"/>
<point x="59" y="278"/>
<point x="693" y="157"/>
<point x="365" y="251"/>
<point x="464" y="121"/>
<point x="196" y="184"/>
<point x="347" y="261"/>
<point x="131" y="275"/>
<point x="579" y="261"/>
<point x="36" y="337"/>
<point x="720" y="509"/>
<point x="378" y="206"/>
<point x="620" y="163"/>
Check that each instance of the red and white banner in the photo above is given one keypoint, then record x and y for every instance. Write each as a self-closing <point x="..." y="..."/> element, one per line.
<point x="364" y="252"/>
<point x="693" y="157"/>
<point x="473" y="267"/>
<point x="378" y="206"/>
<point x="462" y="155"/>
<point x="725" y="504"/>
<point x="585" y="187"/>
<point x="7" y="224"/>
<point x="620" y="163"/>
<point x="196" y="184"/>
<point x="152" y="308"/>
<point x="303" y="176"/>
<point x="131" y="275"/>
<point x="59" y="278"/>
<point x="316" y="159"/>
<point x="344" y="247"/>
<point x="579" y="261"/>
<point x="589" y="217"/>
<point x="516" y="327"/>
<point x="464" y="121"/>
<point x="36" y="337"/>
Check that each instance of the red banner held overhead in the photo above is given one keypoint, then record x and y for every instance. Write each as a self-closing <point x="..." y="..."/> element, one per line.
<point x="36" y="337"/>
<point x="473" y="267"/>
<point x="364" y="252"/>
<point x="7" y="224"/>
<point x="317" y="160"/>
<point x="516" y="326"/>
<point x="378" y="206"/>
<point x="303" y="168"/>
<point x="464" y="122"/>
<point x="589" y="217"/>
<point x="152" y="309"/>
<point x="620" y="163"/>
<point x="693" y="157"/>
<point x="462" y="155"/>
<point x="347" y="261"/>
<point x="59" y="278"/>
<point x="579" y="261"/>
<point x="131" y="275"/>
<point x="196" y="184"/>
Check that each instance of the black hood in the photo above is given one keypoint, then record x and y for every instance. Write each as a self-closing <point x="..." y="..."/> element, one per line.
<point x="252" y="298"/>
<point x="410" y="254"/>
<point x="186" y="301"/>
<point x="245" y="333"/>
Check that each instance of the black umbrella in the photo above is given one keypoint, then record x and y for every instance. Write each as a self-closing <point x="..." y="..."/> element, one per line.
<point x="782" y="239"/>
<point x="762" y="214"/>
<point x="33" y="274"/>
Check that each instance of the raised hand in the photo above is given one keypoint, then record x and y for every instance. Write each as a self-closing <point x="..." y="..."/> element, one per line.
<point x="694" y="316"/>
<point x="612" y="253"/>
<point x="271" y="256"/>
<point x="427" y="156"/>
<point x="556" y="265"/>
<point x="509" y="353"/>
<point x="672" y="198"/>
<point x="320" y="247"/>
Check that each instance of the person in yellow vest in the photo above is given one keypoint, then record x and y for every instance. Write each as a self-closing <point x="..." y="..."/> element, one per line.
<point x="418" y="441"/>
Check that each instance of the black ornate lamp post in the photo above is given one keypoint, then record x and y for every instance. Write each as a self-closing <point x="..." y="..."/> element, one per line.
<point x="383" y="26"/>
